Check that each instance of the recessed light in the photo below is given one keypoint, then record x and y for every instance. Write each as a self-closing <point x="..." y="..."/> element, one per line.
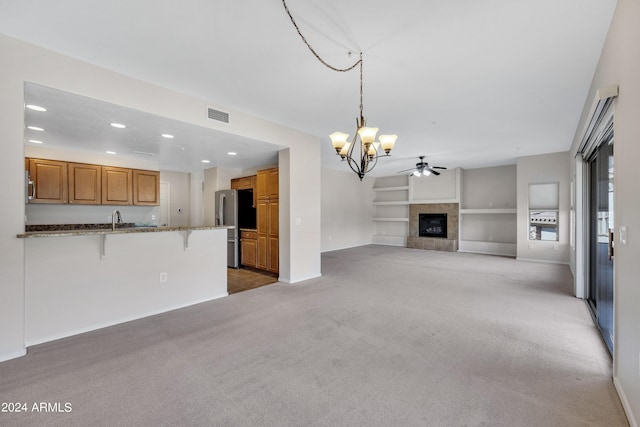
<point x="118" y="125"/>
<point x="232" y="153"/>
<point x="35" y="128"/>
<point x="166" y="135"/>
<point x="111" y="152"/>
<point x="36" y="107"/>
<point x="206" y="161"/>
<point x="35" y="141"/>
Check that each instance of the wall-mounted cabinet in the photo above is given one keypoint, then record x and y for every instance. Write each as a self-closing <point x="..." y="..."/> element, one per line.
<point x="47" y="181"/>
<point x="117" y="186"/>
<point x="243" y="183"/>
<point x="85" y="184"/>
<point x="60" y="182"/>
<point x="146" y="188"/>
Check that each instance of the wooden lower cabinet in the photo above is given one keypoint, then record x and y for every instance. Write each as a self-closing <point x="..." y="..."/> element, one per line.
<point x="248" y="248"/>
<point x="262" y="252"/>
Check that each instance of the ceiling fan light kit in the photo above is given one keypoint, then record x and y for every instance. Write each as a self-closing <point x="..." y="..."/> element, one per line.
<point x="365" y="158"/>
<point x="423" y="169"/>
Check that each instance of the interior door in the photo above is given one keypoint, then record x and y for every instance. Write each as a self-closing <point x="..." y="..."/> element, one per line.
<point x="601" y="233"/>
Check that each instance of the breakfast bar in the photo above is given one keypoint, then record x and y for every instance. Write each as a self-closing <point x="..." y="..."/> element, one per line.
<point x="78" y="280"/>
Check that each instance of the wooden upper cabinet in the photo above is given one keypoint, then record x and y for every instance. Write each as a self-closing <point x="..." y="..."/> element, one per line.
<point x="272" y="184"/>
<point x="244" y="183"/>
<point x="117" y="186"/>
<point x="49" y="181"/>
<point x="85" y="184"/>
<point x="267" y="184"/>
<point x="146" y="188"/>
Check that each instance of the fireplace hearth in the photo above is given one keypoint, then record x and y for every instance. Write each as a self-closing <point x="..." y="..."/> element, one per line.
<point x="432" y="225"/>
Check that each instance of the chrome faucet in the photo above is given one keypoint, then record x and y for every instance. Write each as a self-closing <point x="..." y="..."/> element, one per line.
<point x="115" y="214"/>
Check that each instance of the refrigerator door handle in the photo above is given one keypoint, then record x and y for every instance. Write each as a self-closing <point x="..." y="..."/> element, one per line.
<point x="221" y="209"/>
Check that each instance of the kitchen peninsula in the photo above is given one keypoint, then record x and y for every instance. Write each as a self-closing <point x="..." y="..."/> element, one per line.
<point x="85" y="279"/>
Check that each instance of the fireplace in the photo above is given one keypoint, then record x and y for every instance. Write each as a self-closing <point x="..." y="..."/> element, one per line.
<point x="432" y="225"/>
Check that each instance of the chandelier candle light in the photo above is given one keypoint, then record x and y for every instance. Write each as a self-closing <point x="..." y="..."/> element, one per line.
<point x="365" y="157"/>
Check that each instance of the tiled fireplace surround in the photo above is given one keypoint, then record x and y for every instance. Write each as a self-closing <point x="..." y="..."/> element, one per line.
<point x="450" y="244"/>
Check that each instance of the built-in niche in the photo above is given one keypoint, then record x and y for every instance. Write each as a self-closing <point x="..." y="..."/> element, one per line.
<point x="543" y="211"/>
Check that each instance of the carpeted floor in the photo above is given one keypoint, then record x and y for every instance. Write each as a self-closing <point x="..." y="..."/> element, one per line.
<point x="386" y="337"/>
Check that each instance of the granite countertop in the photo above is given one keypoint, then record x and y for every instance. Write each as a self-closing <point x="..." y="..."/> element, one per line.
<point x="62" y="230"/>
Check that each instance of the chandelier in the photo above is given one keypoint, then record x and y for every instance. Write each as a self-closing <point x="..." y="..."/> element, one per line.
<point x="362" y="152"/>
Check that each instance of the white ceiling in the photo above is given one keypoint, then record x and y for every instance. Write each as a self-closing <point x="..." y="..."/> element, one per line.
<point x="467" y="83"/>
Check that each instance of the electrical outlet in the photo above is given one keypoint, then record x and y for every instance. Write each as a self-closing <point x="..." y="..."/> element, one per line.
<point x="556" y="247"/>
<point x="164" y="277"/>
<point x="109" y="218"/>
<point x="530" y="245"/>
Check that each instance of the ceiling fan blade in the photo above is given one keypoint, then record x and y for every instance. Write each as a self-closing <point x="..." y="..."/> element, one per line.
<point x="439" y="167"/>
<point x="436" y="173"/>
<point x="407" y="170"/>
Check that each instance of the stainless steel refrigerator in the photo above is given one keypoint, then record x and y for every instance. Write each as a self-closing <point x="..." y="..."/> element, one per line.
<point x="227" y="214"/>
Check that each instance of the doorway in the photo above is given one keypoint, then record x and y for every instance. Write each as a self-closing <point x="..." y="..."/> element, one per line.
<point x="601" y="240"/>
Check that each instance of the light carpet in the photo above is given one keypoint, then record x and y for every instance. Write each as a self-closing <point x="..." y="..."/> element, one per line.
<point x="386" y="337"/>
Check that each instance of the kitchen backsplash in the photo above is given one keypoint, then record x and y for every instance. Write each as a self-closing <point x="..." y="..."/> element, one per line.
<point x="66" y="214"/>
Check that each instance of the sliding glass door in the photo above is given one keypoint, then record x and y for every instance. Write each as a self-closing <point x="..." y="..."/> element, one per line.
<point x="601" y="239"/>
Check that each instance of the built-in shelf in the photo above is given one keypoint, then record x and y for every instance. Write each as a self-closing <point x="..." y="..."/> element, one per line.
<point x="391" y="219"/>
<point x="488" y="211"/>
<point x="404" y="187"/>
<point x="490" y="248"/>
<point x="398" y="203"/>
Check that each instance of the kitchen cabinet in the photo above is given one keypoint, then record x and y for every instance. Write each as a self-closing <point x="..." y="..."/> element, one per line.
<point x="49" y="178"/>
<point x="249" y="248"/>
<point x="60" y="182"/>
<point x="267" y="220"/>
<point x="244" y="183"/>
<point x="146" y="188"/>
<point x="117" y="186"/>
<point x="85" y="184"/>
<point x="267" y="184"/>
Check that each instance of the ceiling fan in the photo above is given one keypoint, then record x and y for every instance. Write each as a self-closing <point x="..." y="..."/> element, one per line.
<point x="423" y="168"/>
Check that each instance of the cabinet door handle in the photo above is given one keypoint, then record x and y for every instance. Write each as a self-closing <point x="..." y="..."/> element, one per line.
<point x="33" y="190"/>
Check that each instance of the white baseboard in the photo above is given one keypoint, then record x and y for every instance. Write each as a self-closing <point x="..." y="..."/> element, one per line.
<point x="95" y="327"/>
<point x="625" y="403"/>
<point x="13" y="355"/>
<point x="545" y="261"/>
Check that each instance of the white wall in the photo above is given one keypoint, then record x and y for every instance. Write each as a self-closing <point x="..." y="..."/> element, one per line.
<point x="489" y="188"/>
<point x="70" y="288"/>
<point x="620" y="64"/>
<point x="543" y="169"/>
<point x="180" y="197"/>
<point x="28" y="63"/>
<point x="347" y="210"/>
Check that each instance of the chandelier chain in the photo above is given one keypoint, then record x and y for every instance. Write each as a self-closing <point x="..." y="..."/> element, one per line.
<point x="325" y="63"/>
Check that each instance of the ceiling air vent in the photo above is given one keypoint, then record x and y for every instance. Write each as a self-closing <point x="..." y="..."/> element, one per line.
<point x="220" y="116"/>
